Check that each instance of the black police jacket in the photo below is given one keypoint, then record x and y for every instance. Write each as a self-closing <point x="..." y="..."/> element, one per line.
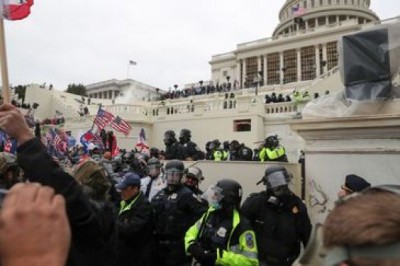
<point x="91" y="237"/>
<point x="175" y="211"/>
<point x="193" y="151"/>
<point x="174" y="151"/>
<point x="279" y="228"/>
<point x="135" y="228"/>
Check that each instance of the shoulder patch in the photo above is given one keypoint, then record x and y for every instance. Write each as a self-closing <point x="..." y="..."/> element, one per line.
<point x="295" y="210"/>
<point x="249" y="240"/>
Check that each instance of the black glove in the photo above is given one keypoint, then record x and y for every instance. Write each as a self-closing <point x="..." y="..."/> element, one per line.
<point x="208" y="258"/>
<point x="198" y="252"/>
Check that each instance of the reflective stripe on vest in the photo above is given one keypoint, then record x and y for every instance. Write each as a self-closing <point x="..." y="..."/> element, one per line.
<point x="126" y="207"/>
<point x="276" y="153"/>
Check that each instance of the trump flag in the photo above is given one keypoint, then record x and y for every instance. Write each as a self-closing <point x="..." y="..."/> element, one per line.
<point x="15" y="9"/>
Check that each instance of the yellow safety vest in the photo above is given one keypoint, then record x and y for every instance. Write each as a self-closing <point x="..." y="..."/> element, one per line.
<point x="271" y="155"/>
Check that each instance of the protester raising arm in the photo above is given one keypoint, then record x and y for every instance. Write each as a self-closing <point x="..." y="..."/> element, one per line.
<point x="34" y="228"/>
<point x="39" y="167"/>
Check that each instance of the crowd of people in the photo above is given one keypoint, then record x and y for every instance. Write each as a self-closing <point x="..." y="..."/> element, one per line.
<point x="147" y="213"/>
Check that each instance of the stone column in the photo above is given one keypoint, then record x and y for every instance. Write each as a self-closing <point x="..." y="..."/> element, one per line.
<point x="299" y="70"/>
<point x="244" y="72"/>
<point x="281" y="73"/>
<point x="325" y="57"/>
<point x="265" y="74"/>
<point x="317" y="62"/>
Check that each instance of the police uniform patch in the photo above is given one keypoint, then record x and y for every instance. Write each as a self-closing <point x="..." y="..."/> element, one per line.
<point x="295" y="210"/>
<point x="249" y="240"/>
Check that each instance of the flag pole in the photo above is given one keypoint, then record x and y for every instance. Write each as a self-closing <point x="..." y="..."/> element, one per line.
<point x="3" y="63"/>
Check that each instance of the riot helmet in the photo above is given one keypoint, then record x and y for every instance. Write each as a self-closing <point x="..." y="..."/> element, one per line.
<point x="215" y="144"/>
<point x="154" y="152"/>
<point x="276" y="179"/>
<point x="169" y="137"/>
<point x="154" y="167"/>
<point x="226" y="145"/>
<point x="234" y="145"/>
<point x="129" y="157"/>
<point x="9" y="169"/>
<point x="271" y="142"/>
<point x="195" y="173"/>
<point x="185" y="136"/>
<point x="224" y="193"/>
<point x="174" y="172"/>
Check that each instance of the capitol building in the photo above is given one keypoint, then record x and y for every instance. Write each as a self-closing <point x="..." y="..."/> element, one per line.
<point x="303" y="47"/>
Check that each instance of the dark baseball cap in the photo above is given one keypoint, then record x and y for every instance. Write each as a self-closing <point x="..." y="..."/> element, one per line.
<point x="129" y="179"/>
<point x="355" y="183"/>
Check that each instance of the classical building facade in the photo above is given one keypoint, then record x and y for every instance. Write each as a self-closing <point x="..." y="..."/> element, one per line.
<point x="111" y="89"/>
<point x="304" y="45"/>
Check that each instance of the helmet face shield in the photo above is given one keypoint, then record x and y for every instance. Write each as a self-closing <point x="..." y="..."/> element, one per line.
<point x="154" y="170"/>
<point x="214" y="196"/>
<point x="173" y="176"/>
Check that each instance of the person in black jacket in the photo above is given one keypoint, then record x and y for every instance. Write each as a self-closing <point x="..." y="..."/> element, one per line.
<point x="88" y="235"/>
<point x="134" y="223"/>
<point x="94" y="181"/>
<point x="175" y="209"/>
<point x="192" y="152"/>
<point x="173" y="149"/>
<point x="279" y="219"/>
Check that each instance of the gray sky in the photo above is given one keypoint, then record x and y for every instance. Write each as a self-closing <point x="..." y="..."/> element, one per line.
<point x="79" y="41"/>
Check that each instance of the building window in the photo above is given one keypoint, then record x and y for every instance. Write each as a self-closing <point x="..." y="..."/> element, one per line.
<point x="242" y="125"/>
<point x="332" y="54"/>
<point x="251" y="70"/>
<point x="110" y="94"/>
<point x="308" y="65"/>
<point x="342" y="18"/>
<point x="312" y="3"/>
<point x="273" y="69"/>
<point x="332" y="19"/>
<point x="321" y="2"/>
<point x="225" y="73"/>
<point x="311" y="23"/>
<point x="289" y="66"/>
<point x="305" y="4"/>
<point x="321" y="21"/>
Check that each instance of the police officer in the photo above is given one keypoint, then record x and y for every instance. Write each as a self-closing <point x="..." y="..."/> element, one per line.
<point x="153" y="182"/>
<point x="272" y="150"/>
<point x="9" y="170"/>
<point x="217" y="154"/>
<point x="222" y="236"/>
<point x="239" y="152"/>
<point x="279" y="218"/>
<point x="175" y="209"/>
<point x="173" y="149"/>
<point x="191" y="151"/>
<point x="135" y="226"/>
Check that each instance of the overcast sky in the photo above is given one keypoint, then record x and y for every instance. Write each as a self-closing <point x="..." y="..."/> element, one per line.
<point x="79" y="41"/>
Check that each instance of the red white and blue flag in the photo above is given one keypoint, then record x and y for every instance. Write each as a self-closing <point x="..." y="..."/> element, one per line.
<point x="15" y="9"/>
<point x="297" y="10"/>
<point x="141" y="143"/>
<point x="103" y="118"/>
<point x="121" y="125"/>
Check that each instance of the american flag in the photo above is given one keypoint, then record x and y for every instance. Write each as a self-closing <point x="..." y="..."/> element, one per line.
<point x="103" y="118"/>
<point x="297" y="10"/>
<point x="141" y="143"/>
<point x="59" y="144"/>
<point x="121" y="125"/>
